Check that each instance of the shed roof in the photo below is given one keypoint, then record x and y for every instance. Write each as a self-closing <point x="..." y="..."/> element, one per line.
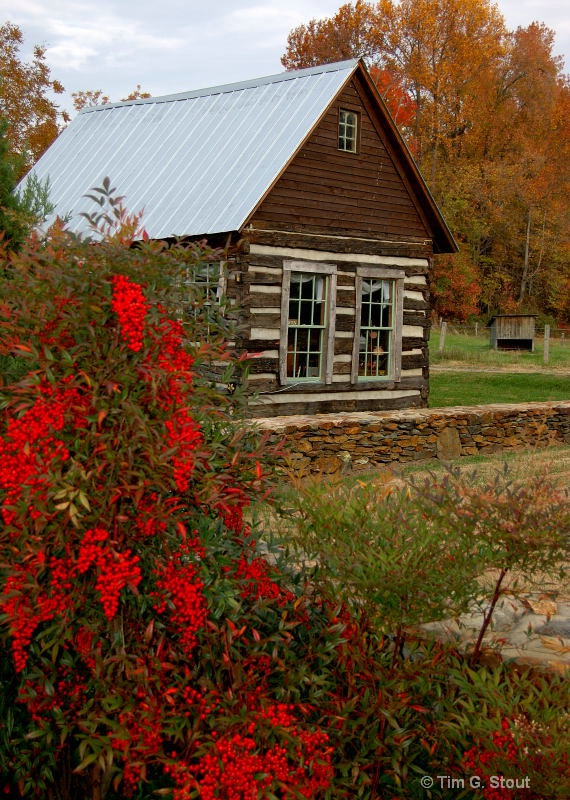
<point x="510" y="316"/>
<point x="196" y="162"/>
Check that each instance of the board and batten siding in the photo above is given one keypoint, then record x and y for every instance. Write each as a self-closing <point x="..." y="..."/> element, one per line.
<point x="263" y="279"/>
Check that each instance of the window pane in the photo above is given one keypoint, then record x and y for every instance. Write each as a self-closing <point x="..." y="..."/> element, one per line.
<point x="203" y="284"/>
<point x="376" y="328"/>
<point x="347" y="130"/>
<point x="306" y="325"/>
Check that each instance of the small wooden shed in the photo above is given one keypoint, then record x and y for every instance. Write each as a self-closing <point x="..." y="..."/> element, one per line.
<point x="512" y="331"/>
<point x="328" y="227"/>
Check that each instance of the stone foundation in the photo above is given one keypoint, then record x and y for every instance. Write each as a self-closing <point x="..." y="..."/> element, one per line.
<point x="335" y="443"/>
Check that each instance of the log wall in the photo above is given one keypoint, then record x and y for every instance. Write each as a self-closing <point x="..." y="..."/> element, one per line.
<point x="262" y="276"/>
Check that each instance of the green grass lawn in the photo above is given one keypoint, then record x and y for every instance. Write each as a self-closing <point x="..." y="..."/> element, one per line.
<point x="474" y="388"/>
<point x="508" y="384"/>
<point x="476" y="350"/>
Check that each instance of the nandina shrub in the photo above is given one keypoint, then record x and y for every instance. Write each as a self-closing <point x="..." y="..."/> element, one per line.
<point x="406" y="708"/>
<point x="145" y="641"/>
<point x="519" y="745"/>
<point x="147" y="645"/>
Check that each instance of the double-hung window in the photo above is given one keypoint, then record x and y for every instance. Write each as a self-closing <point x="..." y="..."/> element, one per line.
<point x="205" y="288"/>
<point x="348" y="130"/>
<point x="377" y="341"/>
<point x="206" y="284"/>
<point x="307" y="322"/>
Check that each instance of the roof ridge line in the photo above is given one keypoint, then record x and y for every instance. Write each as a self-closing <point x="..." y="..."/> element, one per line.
<point x="226" y="88"/>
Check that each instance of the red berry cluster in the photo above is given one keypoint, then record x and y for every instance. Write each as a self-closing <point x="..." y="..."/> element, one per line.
<point x="254" y="574"/>
<point x="131" y="307"/>
<point x="279" y="714"/>
<point x="23" y="614"/>
<point x="116" y="571"/>
<point x="90" y="549"/>
<point x="180" y="595"/>
<point x="30" y="445"/>
<point x="148" y="520"/>
<point x="183" y="436"/>
<point x="139" y="739"/>
<point x="68" y="693"/>
<point x="482" y="761"/>
<point x="231" y="508"/>
<point x="199" y="703"/>
<point x="236" y="770"/>
<point x="170" y="355"/>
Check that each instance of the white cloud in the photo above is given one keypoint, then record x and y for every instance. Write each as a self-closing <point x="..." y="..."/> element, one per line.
<point x="175" y="45"/>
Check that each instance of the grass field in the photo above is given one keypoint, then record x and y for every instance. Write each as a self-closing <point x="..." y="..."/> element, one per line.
<point x="469" y="372"/>
<point x="475" y="388"/>
<point x="475" y="350"/>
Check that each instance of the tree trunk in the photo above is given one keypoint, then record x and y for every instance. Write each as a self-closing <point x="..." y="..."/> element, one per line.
<point x="524" y="278"/>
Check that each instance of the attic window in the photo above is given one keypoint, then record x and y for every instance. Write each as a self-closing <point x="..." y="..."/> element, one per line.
<point x="347" y="130"/>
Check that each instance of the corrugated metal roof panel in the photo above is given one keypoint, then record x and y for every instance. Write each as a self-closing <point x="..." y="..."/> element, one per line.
<point x="197" y="162"/>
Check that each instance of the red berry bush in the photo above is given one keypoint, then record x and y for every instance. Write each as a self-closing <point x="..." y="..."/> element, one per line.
<point x="149" y="645"/>
<point x="146" y="643"/>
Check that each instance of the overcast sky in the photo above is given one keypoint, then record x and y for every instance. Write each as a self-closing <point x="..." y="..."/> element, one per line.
<point x="173" y="46"/>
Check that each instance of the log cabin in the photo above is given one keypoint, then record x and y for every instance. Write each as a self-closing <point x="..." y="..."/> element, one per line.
<point x="327" y="225"/>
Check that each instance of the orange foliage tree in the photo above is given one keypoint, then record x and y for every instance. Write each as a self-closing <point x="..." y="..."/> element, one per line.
<point x="348" y="34"/>
<point x="485" y="112"/>
<point x="95" y="97"/>
<point x="398" y="100"/>
<point x="455" y="286"/>
<point x="34" y="120"/>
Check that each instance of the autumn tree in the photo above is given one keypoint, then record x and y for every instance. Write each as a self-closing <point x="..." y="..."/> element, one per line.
<point x="12" y="227"/>
<point x="96" y="97"/>
<point x="346" y="35"/>
<point x="86" y="98"/>
<point x="510" y="177"/>
<point x="350" y="33"/>
<point x="488" y="127"/>
<point x="34" y="119"/>
<point x="398" y="100"/>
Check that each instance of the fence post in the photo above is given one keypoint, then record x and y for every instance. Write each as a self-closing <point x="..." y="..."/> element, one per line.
<point x="442" y="333"/>
<point x="546" y="343"/>
<point x="476" y="329"/>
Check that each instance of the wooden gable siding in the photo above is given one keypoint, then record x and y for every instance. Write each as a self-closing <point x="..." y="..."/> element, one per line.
<point x="328" y="191"/>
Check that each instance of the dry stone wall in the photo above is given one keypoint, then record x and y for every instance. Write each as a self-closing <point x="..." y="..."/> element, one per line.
<point x="335" y="443"/>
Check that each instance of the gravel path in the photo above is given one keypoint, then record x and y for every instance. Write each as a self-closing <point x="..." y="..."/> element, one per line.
<point x="460" y="367"/>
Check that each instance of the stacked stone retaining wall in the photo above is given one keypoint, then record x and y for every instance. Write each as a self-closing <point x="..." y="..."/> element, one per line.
<point x="336" y="443"/>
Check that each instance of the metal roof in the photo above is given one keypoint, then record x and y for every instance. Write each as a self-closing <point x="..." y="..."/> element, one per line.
<point x="197" y="162"/>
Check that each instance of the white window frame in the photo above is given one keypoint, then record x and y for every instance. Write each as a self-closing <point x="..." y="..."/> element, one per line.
<point x="219" y="283"/>
<point x="189" y="309"/>
<point x="394" y="369"/>
<point x="348" y="130"/>
<point x="327" y="271"/>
